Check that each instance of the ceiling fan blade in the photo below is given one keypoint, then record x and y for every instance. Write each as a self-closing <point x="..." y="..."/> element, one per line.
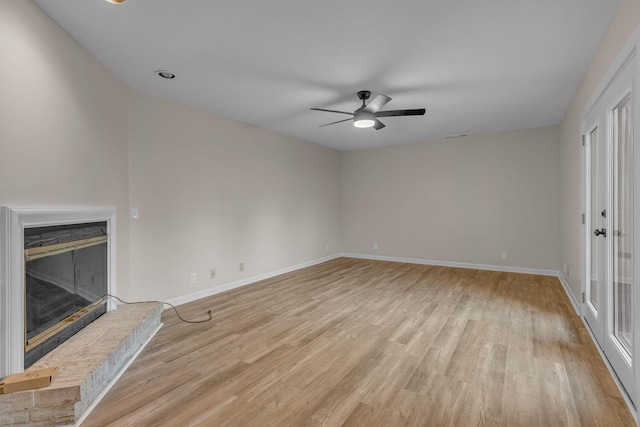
<point x="377" y="103"/>
<point x="414" y="112"/>
<point x="333" y="123"/>
<point x="378" y="125"/>
<point x="331" y="111"/>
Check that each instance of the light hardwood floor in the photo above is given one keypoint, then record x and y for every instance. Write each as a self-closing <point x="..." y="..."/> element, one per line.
<point x="372" y="343"/>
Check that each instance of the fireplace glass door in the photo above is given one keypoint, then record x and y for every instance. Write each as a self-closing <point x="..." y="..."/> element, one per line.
<point x="65" y="283"/>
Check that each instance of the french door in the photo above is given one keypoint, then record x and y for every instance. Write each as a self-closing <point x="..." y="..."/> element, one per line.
<point x="609" y="209"/>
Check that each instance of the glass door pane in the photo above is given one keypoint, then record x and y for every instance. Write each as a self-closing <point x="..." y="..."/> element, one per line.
<point x="622" y="225"/>
<point x="595" y="219"/>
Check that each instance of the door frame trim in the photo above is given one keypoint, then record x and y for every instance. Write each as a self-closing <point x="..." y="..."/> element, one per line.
<point x="627" y="53"/>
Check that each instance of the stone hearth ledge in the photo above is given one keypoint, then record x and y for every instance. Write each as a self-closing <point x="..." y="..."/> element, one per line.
<point x="88" y="362"/>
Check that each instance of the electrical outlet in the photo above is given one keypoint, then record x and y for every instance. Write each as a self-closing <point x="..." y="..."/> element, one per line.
<point x="326" y="247"/>
<point x="212" y="274"/>
<point x="242" y="266"/>
<point x="375" y="246"/>
<point x="194" y="278"/>
<point x="503" y="255"/>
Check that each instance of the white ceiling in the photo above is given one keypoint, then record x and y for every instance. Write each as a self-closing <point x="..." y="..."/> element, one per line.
<point x="476" y="66"/>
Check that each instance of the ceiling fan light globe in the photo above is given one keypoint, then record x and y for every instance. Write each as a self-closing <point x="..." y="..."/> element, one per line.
<point x="363" y="123"/>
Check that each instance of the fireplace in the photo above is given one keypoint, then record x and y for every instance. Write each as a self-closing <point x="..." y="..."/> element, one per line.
<point x="57" y="266"/>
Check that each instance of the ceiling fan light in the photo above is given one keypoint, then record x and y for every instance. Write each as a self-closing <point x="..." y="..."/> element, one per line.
<point x="363" y="123"/>
<point x="115" y="1"/>
<point x="364" y="119"/>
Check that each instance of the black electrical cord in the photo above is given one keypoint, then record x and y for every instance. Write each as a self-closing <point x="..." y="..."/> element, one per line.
<point x="163" y="302"/>
<point x="73" y="260"/>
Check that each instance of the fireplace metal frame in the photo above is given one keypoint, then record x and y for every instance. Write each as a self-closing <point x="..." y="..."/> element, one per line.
<point x="13" y="222"/>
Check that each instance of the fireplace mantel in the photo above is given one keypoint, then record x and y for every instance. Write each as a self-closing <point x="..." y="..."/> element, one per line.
<point x="13" y="221"/>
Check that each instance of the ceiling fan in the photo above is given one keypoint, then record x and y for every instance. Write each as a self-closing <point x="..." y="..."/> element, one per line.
<point x="367" y="115"/>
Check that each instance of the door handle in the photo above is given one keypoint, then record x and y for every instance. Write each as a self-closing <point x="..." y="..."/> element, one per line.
<point x="602" y="232"/>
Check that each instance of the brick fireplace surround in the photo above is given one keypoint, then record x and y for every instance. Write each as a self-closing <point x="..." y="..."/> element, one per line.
<point x="89" y="363"/>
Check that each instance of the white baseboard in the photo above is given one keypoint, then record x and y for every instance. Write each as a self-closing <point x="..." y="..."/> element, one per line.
<point x="508" y="269"/>
<point x="567" y="290"/>
<point x="249" y="280"/>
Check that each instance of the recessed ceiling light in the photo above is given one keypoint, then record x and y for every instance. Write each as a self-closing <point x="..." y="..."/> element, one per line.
<point x="115" y="1"/>
<point x="165" y="74"/>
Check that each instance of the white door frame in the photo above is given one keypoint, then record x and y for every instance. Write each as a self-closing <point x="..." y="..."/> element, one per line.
<point x="627" y="54"/>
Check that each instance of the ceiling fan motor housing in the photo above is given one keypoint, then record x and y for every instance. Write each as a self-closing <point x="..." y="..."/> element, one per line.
<point x="363" y="118"/>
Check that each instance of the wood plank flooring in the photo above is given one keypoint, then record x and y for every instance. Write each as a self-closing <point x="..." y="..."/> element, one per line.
<point x="371" y="343"/>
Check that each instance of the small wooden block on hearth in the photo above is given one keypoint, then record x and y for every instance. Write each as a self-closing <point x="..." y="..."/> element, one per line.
<point x="28" y="380"/>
